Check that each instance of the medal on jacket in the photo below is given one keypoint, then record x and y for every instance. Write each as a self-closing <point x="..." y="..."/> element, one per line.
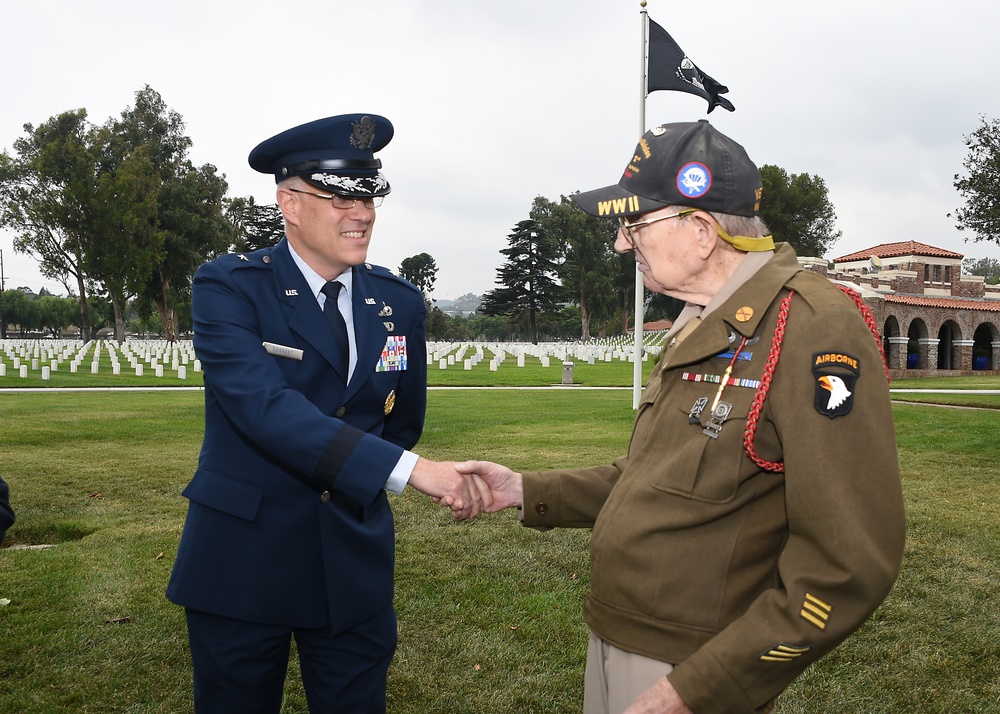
<point x="720" y="409"/>
<point x="390" y="402"/>
<point x="719" y="415"/>
<point x="694" y="416"/>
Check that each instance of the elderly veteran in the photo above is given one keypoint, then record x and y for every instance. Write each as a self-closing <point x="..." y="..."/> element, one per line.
<point x="737" y="542"/>
<point x="315" y="389"/>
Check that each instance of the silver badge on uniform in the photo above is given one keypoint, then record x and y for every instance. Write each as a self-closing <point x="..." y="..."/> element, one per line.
<point x="719" y="416"/>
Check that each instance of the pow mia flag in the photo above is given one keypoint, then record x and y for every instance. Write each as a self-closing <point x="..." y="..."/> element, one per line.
<point x="667" y="67"/>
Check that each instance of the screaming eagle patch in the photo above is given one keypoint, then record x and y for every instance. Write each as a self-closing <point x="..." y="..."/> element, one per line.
<point x="835" y="375"/>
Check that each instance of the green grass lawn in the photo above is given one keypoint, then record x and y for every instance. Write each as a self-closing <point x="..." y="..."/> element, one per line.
<point x="489" y="612"/>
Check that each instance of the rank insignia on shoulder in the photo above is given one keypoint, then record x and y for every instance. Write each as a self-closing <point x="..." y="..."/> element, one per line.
<point x="394" y="355"/>
<point x="243" y="257"/>
<point x="835" y="374"/>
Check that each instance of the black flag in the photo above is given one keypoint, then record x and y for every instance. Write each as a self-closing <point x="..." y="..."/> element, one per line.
<point x="669" y="68"/>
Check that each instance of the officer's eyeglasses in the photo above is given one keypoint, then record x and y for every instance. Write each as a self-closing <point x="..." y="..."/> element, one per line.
<point x="628" y="228"/>
<point x="343" y="202"/>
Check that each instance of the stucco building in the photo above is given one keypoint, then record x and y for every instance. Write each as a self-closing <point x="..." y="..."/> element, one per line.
<point x="934" y="320"/>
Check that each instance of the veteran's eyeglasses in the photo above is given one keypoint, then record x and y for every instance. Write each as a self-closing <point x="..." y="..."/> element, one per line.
<point x="629" y="229"/>
<point x="343" y="202"/>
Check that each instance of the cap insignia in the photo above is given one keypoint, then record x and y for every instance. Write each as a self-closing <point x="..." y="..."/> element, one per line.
<point x="363" y="134"/>
<point x="694" y="179"/>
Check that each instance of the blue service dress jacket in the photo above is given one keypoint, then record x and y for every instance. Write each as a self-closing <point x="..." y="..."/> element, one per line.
<point x="6" y="512"/>
<point x="288" y="521"/>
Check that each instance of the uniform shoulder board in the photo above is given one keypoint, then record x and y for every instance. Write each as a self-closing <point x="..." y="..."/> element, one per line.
<point x="817" y="291"/>
<point x="381" y="272"/>
<point x="256" y="259"/>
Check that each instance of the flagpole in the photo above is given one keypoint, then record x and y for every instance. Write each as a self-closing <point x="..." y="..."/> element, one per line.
<point x="637" y="347"/>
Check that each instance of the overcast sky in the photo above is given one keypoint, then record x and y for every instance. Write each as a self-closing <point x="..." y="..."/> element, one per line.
<point x="495" y="103"/>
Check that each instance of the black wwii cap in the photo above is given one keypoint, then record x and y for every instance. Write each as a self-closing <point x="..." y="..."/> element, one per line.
<point x="335" y="154"/>
<point x="685" y="164"/>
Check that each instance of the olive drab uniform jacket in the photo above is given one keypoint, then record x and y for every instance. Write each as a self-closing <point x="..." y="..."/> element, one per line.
<point x="742" y="575"/>
<point x="288" y="520"/>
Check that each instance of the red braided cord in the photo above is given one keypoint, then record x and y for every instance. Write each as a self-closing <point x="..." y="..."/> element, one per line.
<point x="870" y="321"/>
<point x="772" y="361"/>
<point x="765" y="384"/>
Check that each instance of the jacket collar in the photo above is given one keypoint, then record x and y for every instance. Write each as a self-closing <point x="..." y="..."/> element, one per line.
<point x="742" y="312"/>
<point x="307" y="319"/>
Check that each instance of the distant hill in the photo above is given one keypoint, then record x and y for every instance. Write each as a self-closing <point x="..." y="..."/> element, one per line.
<point x="462" y="305"/>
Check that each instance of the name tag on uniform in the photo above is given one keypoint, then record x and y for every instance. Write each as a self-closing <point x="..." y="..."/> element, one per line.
<point x="283" y="351"/>
<point x="393" y="357"/>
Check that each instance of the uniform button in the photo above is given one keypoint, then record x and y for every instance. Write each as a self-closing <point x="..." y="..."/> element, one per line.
<point x="267" y="259"/>
<point x="325" y="497"/>
<point x="341" y="412"/>
<point x="542" y="508"/>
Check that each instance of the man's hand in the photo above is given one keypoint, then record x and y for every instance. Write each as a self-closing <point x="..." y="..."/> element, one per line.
<point x="442" y="482"/>
<point x="661" y="698"/>
<point x="504" y="485"/>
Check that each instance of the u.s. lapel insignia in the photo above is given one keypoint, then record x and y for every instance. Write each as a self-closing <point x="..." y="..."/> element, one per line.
<point x="291" y="292"/>
<point x="369" y="301"/>
<point x="390" y="402"/>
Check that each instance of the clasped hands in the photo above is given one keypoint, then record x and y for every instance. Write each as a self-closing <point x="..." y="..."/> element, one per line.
<point x="468" y="488"/>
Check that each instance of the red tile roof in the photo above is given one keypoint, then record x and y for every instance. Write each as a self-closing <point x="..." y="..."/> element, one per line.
<point x="654" y="326"/>
<point x="895" y="250"/>
<point x="950" y="303"/>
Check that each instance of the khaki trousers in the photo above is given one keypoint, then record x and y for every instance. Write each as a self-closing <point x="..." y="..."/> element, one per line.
<point x="615" y="678"/>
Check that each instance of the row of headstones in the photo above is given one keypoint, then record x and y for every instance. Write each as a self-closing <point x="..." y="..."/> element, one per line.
<point x="445" y="355"/>
<point x="154" y="353"/>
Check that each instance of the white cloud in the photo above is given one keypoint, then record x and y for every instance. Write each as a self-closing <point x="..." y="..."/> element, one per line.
<point x="496" y="103"/>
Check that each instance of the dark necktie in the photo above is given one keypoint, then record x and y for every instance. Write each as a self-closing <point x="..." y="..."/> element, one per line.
<point x="337" y="324"/>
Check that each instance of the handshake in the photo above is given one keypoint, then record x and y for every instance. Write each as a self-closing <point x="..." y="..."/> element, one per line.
<point x="468" y="488"/>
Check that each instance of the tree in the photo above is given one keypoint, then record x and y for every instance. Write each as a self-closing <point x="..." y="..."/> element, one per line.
<point x="421" y="270"/>
<point x="126" y="245"/>
<point x="255" y="226"/>
<point x="190" y="213"/>
<point x="981" y="212"/>
<point x="797" y="209"/>
<point x="586" y="244"/>
<point x="989" y="268"/>
<point x="528" y="287"/>
<point x="48" y="196"/>
<point x="56" y="313"/>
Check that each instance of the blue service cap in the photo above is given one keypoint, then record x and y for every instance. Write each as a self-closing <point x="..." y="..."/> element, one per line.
<point x="335" y="154"/>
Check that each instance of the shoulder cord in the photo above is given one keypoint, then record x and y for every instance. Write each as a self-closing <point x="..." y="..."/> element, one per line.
<point x="772" y="361"/>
